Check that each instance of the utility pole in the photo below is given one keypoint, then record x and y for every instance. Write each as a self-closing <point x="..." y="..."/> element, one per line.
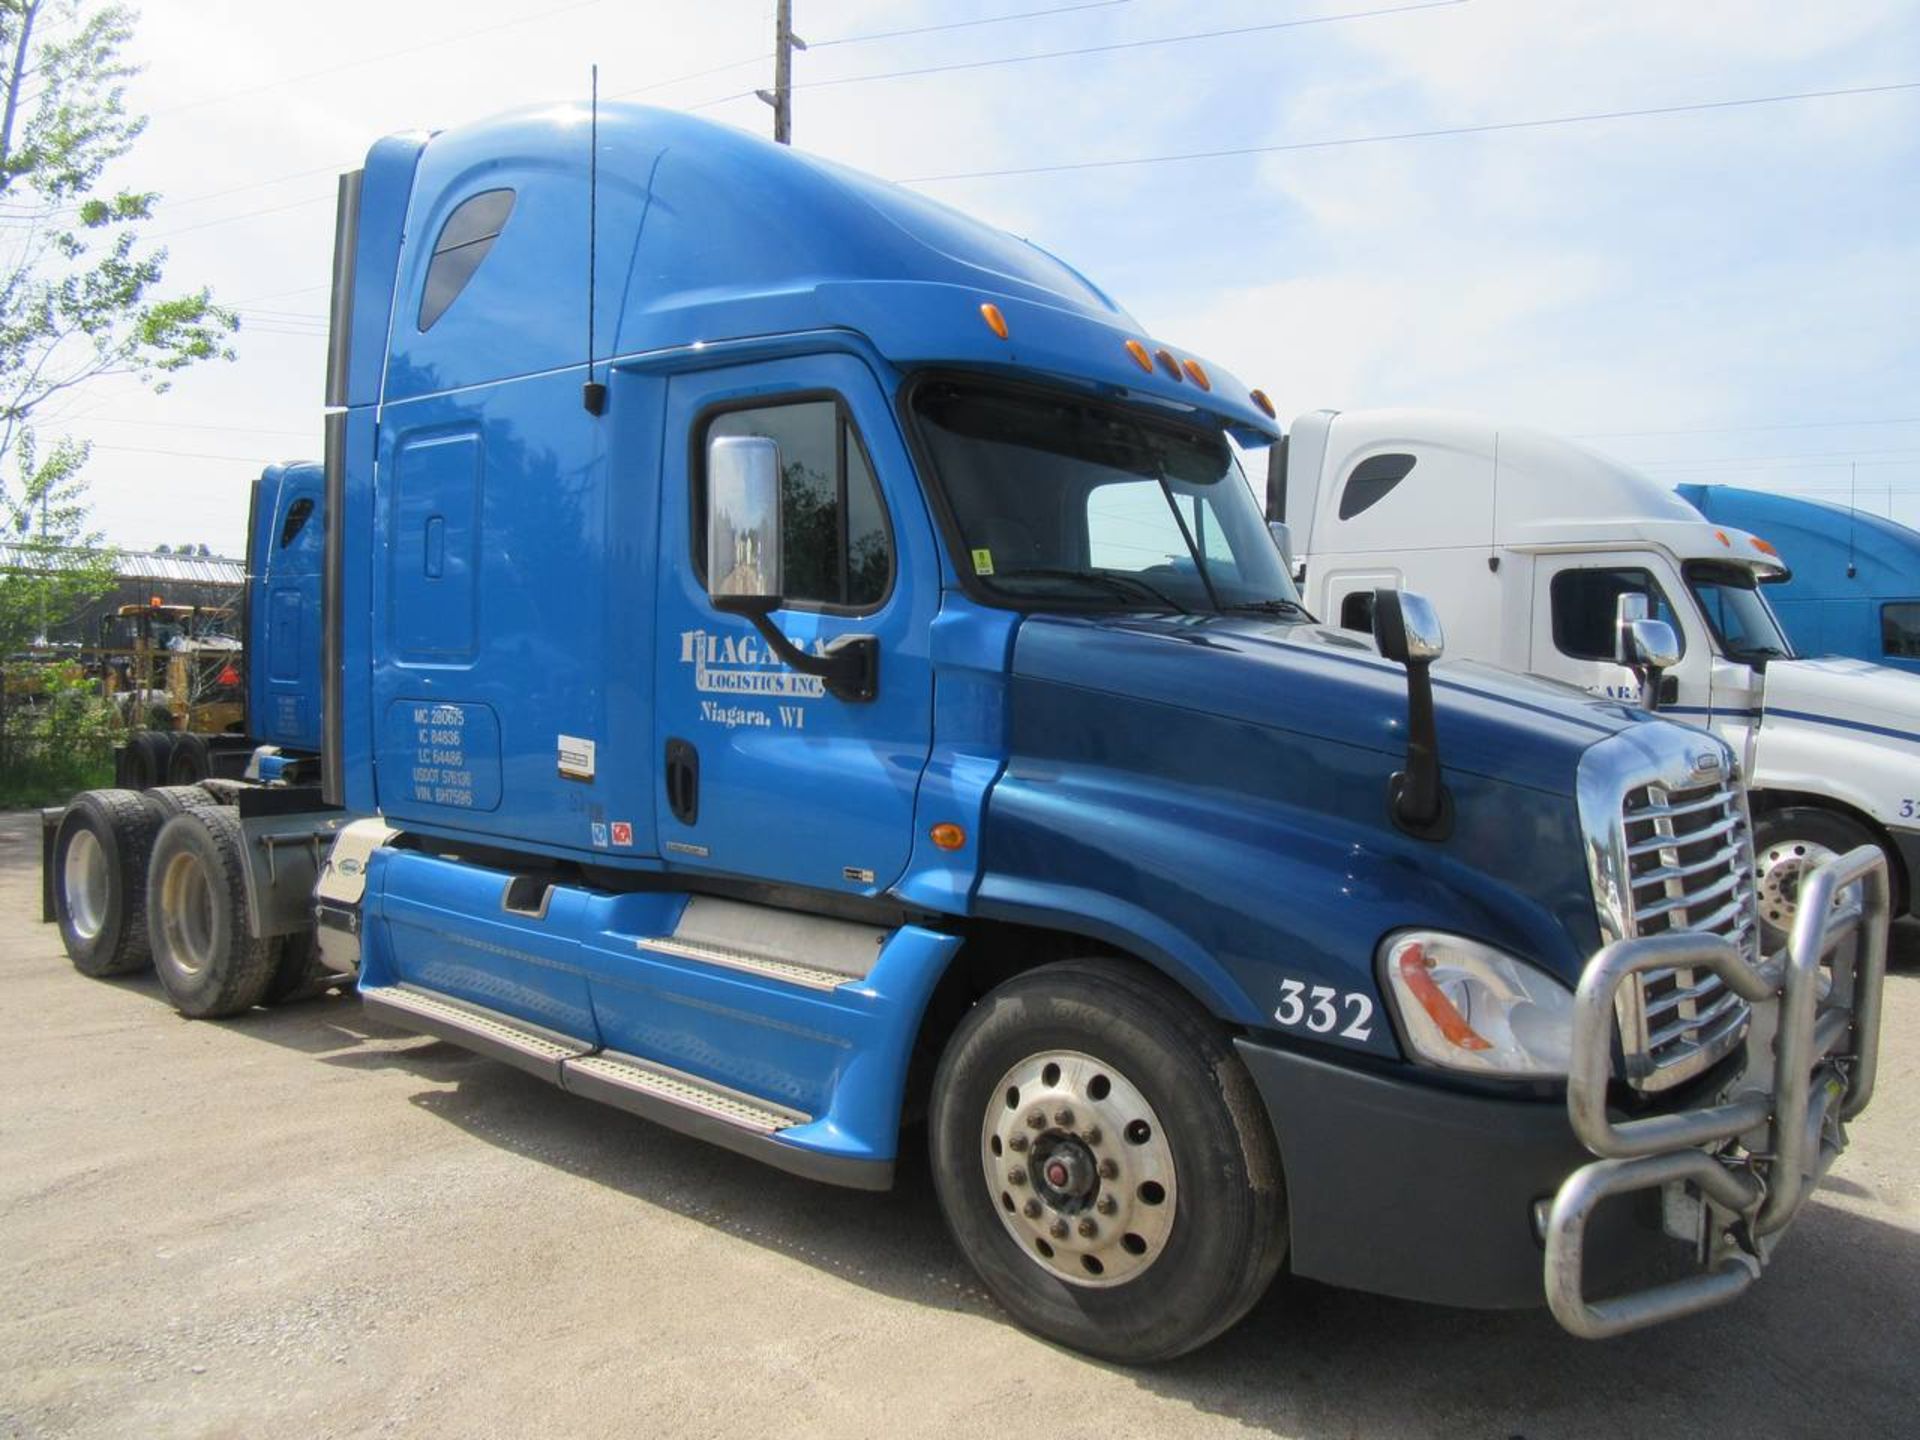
<point x="785" y="42"/>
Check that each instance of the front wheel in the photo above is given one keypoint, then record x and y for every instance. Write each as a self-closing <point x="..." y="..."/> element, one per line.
<point x="1104" y="1161"/>
<point x="1787" y="844"/>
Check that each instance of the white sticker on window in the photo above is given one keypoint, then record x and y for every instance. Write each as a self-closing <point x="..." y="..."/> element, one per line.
<point x="576" y="757"/>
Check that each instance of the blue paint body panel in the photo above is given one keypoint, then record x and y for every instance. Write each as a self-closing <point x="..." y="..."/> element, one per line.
<point x="1827" y="610"/>
<point x="527" y="632"/>
<point x="284" y="555"/>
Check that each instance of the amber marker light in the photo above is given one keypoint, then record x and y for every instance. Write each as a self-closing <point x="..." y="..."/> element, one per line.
<point x="1197" y="373"/>
<point x="1266" y="405"/>
<point x="1169" y="364"/>
<point x="948" y="836"/>
<point x="1140" y="355"/>
<point x="1764" y="547"/>
<point x="1453" y="1025"/>
<point x="1721" y="536"/>
<point x="996" y="322"/>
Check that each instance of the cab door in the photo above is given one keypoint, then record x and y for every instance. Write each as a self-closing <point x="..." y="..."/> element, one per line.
<point x="765" y="775"/>
<point x="1575" y="603"/>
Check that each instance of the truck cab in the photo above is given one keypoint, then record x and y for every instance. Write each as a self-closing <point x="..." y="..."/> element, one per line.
<point x="1527" y="542"/>
<point x="798" y="661"/>
<point x="1853" y="589"/>
<point x="286" y="542"/>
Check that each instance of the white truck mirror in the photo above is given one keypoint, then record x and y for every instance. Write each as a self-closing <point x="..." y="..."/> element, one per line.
<point x="1283" y="541"/>
<point x="743" y="523"/>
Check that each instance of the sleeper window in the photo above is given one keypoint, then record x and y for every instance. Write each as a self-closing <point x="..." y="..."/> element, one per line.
<point x="463" y="243"/>
<point x="835" y="548"/>
<point x="1900" y="630"/>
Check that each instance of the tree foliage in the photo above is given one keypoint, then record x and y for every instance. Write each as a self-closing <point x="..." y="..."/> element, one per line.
<point x="80" y="294"/>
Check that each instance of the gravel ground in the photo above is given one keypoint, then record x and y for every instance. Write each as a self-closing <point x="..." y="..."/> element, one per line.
<point x="302" y="1223"/>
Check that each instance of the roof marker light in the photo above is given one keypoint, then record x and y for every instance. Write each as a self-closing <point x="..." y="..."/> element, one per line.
<point x="1764" y="547"/>
<point x="1197" y="373"/>
<point x="1140" y="355"/>
<point x="1721" y="536"/>
<point x="1266" y="405"/>
<point x="996" y="322"/>
<point x="1169" y="364"/>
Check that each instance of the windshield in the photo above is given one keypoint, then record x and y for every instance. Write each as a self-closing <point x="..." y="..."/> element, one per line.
<point x="1739" y="615"/>
<point x="1066" y="502"/>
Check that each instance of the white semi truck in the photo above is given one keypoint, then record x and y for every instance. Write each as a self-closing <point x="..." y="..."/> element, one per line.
<point x="1526" y="542"/>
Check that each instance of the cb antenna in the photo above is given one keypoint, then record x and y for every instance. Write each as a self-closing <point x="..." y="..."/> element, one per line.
<point x="593" y="394"/>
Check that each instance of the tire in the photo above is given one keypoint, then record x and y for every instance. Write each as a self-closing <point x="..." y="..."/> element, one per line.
<point x="170" y="800"/>
<point x="1171" y="1231"/>
<point x="297" y="971"/>
<point x="190" y="762"/>
<point x="99" y="881"/>
<point x="147" y="756"/>
<point x="208" y="961"/>
<point x="1786" y="844"/>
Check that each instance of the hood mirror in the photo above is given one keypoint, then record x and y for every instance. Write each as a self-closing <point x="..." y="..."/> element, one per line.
<point x="1406" y="627"/>
<point x="1645" y="646"/>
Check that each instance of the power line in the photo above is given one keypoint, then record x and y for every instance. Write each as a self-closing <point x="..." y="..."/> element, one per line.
<point x="1743" y="429"/>
<point x="969" y="24"/>
<point x="188" y="425"/>
<point x="1798" y="455"/>
<point x="1104" y="49"/>
<point x="1540" y="124"/>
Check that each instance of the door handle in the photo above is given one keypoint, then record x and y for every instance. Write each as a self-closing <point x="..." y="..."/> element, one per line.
<point x="683" y="781"/>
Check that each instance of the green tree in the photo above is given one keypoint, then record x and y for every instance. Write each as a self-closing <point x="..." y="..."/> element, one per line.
<point x="79" y="292"/>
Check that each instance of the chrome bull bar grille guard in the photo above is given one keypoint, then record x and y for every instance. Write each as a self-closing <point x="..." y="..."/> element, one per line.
<point x="1755" y="1154"/>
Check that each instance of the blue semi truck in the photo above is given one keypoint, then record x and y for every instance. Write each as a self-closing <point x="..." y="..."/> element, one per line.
<point x="1854" y="582"/>
<point x="806" y="668"/>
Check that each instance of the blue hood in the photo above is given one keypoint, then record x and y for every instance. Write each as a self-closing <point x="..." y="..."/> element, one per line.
<point x="1325" y="684"/>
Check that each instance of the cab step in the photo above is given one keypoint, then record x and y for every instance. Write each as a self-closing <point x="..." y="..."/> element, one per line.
<point x="486" y="1032"/>
<point x="644" y="1087"/>
<point x="811" y="951"/>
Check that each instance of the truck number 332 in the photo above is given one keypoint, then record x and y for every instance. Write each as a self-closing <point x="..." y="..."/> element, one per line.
<point x="1319" y="1009"/>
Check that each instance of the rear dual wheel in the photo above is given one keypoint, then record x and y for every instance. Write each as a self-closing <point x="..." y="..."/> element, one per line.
<point x="100" y="881"/>
<point x="1104" y="1161"/>
<point x="208" y="960"/>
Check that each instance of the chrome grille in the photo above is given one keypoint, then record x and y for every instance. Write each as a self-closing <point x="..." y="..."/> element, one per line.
<point x="1689" y="866"/>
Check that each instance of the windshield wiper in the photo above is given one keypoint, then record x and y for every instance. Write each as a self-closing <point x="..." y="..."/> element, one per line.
<point x="1275" y="606"/>
<point x="1128" y="587"/>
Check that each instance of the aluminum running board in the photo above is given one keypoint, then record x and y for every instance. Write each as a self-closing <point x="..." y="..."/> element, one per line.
<point x="646" y="1089"/>
<point x="812" y="951"/>
<point x="486" y="1032"/>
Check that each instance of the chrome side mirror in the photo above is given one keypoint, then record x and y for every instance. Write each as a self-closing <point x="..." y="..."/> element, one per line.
<point x="1407" y="628"/>
<point x="1654" y="644"/>
<point x="743" y="523"/>
<point x="1643" y="645"/>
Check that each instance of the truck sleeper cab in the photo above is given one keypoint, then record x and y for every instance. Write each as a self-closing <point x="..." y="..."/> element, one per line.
<point x="864" y="689"/>
<point x="1853" y="586"/>
<point x="1527" y="541"/>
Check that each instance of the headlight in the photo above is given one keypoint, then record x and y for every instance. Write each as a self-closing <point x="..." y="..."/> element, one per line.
<point x="1466" y="1006"/>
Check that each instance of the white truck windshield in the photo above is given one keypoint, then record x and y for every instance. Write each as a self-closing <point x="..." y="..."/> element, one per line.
<point x="1066" y="502"/>
<point x="1739" y="615"/>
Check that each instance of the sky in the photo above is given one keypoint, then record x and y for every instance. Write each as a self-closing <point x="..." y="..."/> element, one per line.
<point x="1727" y="294"/>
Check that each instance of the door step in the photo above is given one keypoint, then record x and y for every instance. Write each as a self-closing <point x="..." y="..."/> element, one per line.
<point x="812" y="951"/>
<point x="486" y="1032"/>
<point x="803" y="975"/>
<point x="659" y="1092"/>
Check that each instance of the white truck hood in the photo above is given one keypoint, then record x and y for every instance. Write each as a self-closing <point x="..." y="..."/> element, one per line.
<point x="1849" y="694"/>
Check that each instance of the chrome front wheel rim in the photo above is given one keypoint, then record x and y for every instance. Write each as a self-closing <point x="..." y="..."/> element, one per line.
<point x="1079" y="1168"/>
<point x="1783" y="866"/>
